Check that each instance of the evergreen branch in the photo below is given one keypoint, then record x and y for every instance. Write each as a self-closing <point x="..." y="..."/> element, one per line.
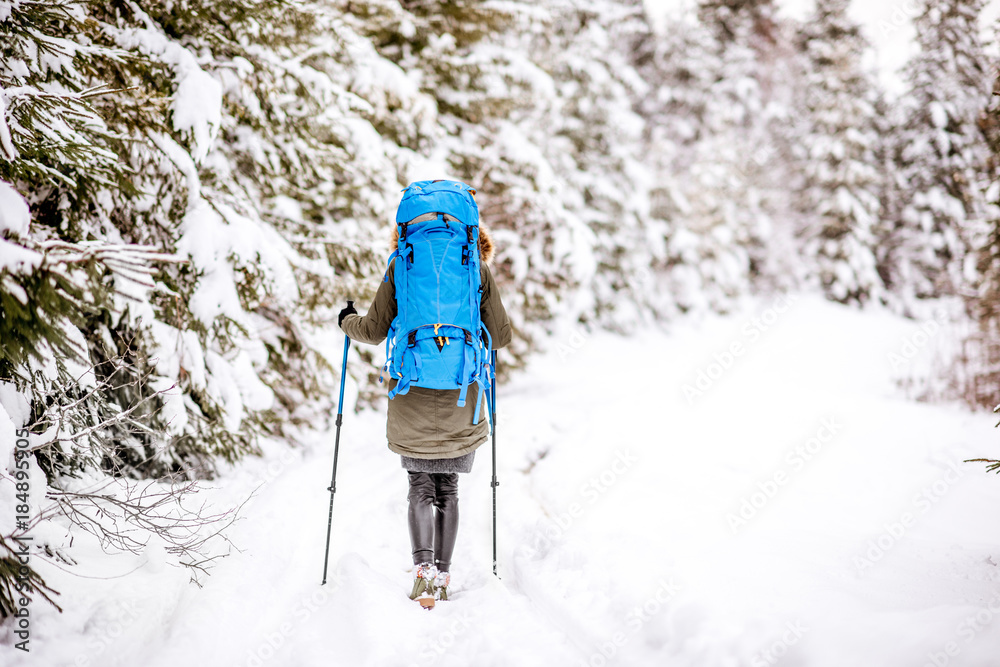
<point x="97" y="92"/>
<point x="11" y="576"/>
<point x="993" y="464"/>
<point x="88" y="251"/>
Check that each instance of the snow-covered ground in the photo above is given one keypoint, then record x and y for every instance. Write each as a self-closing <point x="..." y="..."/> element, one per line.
<point x="743" y="490"/>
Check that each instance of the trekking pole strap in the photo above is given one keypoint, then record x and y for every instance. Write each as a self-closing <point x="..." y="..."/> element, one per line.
<point x="343" y="376"/>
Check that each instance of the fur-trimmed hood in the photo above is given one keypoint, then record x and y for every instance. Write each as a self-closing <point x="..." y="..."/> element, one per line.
<point x="486" y="248"/>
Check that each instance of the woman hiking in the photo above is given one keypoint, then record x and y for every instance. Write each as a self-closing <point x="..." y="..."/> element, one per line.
<point x="439" y="356"/>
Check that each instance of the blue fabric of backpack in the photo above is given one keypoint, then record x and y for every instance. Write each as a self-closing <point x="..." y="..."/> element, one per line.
<point x="437" y="339"/>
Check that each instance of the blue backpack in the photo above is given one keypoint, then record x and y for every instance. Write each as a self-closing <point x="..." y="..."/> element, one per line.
<point x="437" y="339"/>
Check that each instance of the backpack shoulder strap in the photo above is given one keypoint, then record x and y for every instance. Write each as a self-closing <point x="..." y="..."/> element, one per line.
<point x="388" y="264"/>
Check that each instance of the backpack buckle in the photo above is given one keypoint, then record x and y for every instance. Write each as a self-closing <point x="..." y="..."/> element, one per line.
<point x="411" y="340"/>
<point x="409" y="256"/>
<point x="468" y="338"/>
<point x="468" y="233"/>
<point x="465" y="255"/>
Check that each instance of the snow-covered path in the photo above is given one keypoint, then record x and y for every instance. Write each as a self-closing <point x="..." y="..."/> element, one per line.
<point x="797" y="512"/>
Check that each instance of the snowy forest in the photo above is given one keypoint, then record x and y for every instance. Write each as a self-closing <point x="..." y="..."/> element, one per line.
<point x="190" y="190"/>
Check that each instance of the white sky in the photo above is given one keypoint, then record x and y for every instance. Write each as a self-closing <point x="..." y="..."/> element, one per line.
<point x="887" y="23"/>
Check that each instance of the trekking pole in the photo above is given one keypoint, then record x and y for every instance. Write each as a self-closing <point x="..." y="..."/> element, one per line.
<point x="336" y="450"/>
<point x="494" y="483"/>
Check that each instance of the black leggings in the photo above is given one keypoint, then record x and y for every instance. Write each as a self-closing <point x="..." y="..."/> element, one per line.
<point x="432" y="534"/>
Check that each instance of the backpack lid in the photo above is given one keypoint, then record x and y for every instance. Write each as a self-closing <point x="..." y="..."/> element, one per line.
<point x="452" y="197"/>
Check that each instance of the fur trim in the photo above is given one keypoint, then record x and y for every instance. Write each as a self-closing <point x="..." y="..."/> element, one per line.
<point x="486" y="248"/>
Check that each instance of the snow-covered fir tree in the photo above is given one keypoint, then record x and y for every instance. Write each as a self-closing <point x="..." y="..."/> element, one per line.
<point x="982" y="346"/>
<point x="705" y="270"/>
<point x="840" y="198"/>
<point x="591" y="137"/>
<point x="940" y="154"/>
<point x="135" y="139"/>
<point x="736" y="147"/>
<point x="711" y="144"/>
<point x="57" y="282"/>
<point x="985" y="305"/>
